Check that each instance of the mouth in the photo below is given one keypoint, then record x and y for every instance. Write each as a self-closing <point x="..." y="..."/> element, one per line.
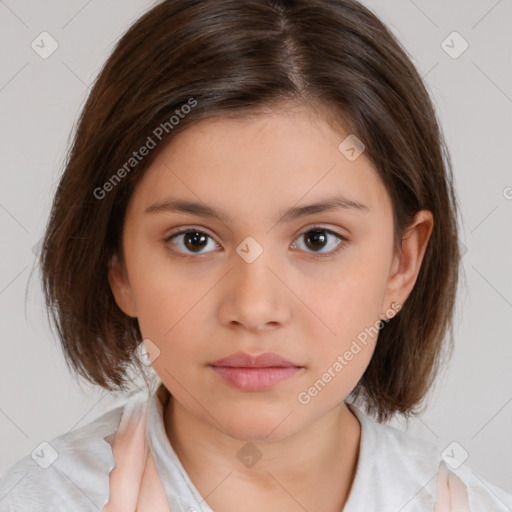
<point x="255" y="373"/>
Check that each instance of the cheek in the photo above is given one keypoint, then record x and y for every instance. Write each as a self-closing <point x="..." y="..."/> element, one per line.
<point x="348" y="297"/>
<point x="171" y="310"/>
<point x="349" y="304"/>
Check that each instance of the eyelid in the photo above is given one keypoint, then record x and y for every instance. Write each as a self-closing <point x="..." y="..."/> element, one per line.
<point x="192" y="227"/>
<point x="335" y="230"/>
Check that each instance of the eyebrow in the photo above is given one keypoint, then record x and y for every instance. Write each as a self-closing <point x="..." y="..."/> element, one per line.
<point x="203" y="210"/>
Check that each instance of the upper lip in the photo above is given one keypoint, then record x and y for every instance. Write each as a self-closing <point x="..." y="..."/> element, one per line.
<point x="243" y="360"/>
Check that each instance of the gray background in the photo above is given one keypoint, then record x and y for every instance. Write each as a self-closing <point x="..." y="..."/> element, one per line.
<point x="40" y="99"/>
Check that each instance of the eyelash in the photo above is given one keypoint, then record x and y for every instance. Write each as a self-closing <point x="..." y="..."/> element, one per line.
<point x="333" y="252"/>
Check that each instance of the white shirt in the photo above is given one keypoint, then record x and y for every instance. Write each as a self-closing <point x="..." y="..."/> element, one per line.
<point x="395" y="472"/>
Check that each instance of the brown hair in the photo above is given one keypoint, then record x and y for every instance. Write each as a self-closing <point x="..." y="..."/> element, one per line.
<point x="237" y="58"/>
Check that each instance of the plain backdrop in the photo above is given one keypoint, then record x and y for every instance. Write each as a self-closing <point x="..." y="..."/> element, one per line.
<point x="41" y="98"/>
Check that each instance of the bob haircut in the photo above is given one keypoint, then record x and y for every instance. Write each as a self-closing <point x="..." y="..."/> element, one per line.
<point x="187" y="60"/>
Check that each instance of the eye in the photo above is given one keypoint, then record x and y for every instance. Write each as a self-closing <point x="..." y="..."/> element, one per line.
<point x="318" y="238"/>
<point x="191" y="241"/>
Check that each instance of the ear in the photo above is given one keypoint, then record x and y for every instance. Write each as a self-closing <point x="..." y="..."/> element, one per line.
<point x="120" y="286"/>
<point x="407" y="263"/>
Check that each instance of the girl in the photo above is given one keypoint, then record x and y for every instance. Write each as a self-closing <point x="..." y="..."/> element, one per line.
<point x="258" y="194"/>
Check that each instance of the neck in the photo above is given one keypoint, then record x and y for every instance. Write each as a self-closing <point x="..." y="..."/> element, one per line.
<point x="312" y="469"/>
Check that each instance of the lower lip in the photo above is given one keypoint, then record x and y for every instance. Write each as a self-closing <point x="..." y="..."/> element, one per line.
<point x="255" y="379"/>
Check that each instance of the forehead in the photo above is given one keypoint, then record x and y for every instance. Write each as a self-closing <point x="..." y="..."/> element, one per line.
<point x="260" y="164"/>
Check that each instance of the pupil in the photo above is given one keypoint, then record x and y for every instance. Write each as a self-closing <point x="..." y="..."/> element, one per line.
<point x="195" y="238"/>
<point x="318" y="237"/>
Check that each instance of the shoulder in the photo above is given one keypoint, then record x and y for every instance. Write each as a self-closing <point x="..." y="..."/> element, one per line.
<point x="71" y="470"/>
<point x="416" y="475"/>
<point x="461" y="486"/>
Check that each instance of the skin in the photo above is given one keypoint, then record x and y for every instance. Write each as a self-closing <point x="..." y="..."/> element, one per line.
<point x="289" y="300"/>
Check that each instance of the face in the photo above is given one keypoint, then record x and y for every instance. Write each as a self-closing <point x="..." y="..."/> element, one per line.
<point x="266" y="275"/>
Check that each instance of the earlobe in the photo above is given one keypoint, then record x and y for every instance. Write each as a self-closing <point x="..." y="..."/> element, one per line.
<point x="120" y="286"/>
<point x="407" y="264"/>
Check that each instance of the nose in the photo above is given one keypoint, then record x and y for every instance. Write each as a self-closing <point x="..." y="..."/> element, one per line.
<point x="254" y="295"/>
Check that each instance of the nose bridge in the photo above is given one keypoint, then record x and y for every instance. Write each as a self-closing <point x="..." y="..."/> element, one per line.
<point x="251" y="266"/>
<point x="255" y="296"/>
